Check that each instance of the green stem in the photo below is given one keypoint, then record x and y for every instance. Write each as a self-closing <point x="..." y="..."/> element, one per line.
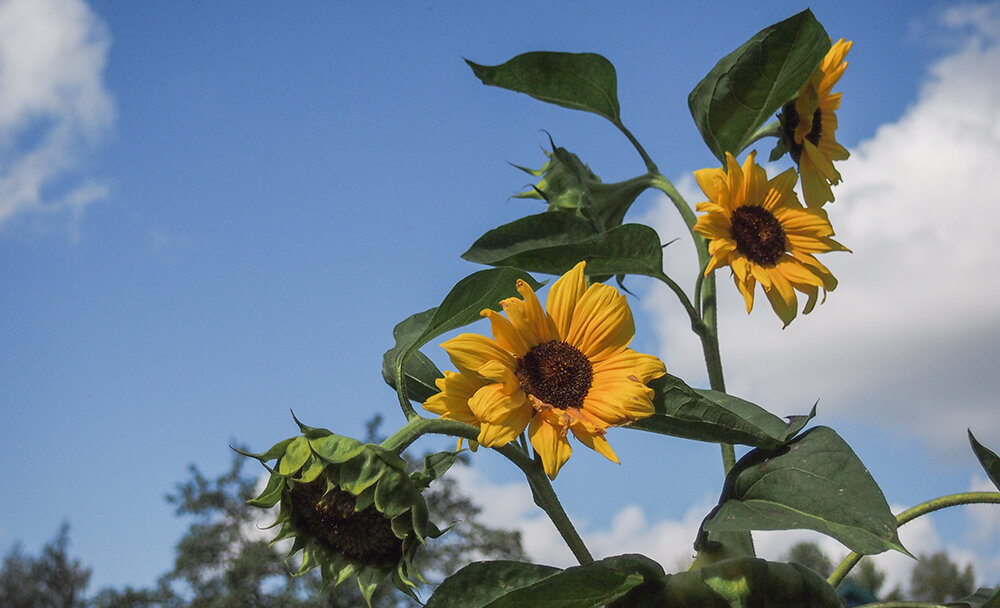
<point x="650" y="165"/>
<point x="404" y="399"/>
<point x="541" y="489"/>
<point x="771" y="129"/>
<point x="952" y="500"/>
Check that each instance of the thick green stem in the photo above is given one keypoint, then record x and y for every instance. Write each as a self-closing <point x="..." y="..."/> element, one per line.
<point x="404" y="400"/>
<point x="541" y="489"/>
<point x="935" y="504"/>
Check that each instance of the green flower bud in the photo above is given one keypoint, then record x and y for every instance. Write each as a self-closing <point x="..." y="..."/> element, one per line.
<point x="350" y="507"/>
<point x="568" y="184"/>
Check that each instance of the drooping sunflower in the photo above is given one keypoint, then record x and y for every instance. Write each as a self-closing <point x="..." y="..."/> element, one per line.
<point x="760" y="229"/>
<point x="351" y="508"/>
<point x="565" y="370"/>
<point x="809" y="126"/>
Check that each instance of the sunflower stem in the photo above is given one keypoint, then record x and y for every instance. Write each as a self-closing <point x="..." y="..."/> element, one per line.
<point x="650" y="165"/>
<point x="935" y="504"/>
<point x="545" y="497"/>
<point x="404" y="399"/>
<point x="419" y="426"/>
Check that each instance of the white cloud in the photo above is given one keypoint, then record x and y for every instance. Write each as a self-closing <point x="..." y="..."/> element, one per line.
<point x="912" y="334"/>
<point x="53" y="105"/>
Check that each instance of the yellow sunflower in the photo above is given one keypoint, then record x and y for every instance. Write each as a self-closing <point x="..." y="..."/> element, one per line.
<point x="568" y="369"/>
<point x="809" y="125"/>
<point x="761" y="230"/>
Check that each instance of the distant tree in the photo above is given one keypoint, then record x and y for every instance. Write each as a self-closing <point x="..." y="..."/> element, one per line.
<point x="52" y="580"/>
<point x="936" y="578"/>
<point x="808" y="554"/>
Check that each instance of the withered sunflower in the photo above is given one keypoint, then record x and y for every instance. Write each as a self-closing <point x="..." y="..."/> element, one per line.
<point x="567" y="369"/>
<point x="760" y="229"/>
<point x="351" y="508"/>
<point x="809" y="126"/>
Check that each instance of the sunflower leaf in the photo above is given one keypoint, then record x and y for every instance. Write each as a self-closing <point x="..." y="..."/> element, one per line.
<point x="478" y="291"/>
<point x="420" y="375"/>
<point x="514" y="585"/>
<point x="747" y="86"/>
<point x="816" y="482"/>
<point x="982" y="598"/>
<point x="555" y="241"/>
<point x="736" y="583"/>
<point x="579" y="81"/>
<point x="705" y="415"/>
<point x="987" y="458"/>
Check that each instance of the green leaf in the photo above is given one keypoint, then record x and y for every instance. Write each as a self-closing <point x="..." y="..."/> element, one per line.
<point x="462" y="305"/>
<point x="480" y="583"/>
<point x="736" y="583"/>
<point x="705" y="415"/>
<point x="435" y="466"/>
<point x="295" y="456"/>
<point x="987" y="458"/>
<point x="555" y="241"/>
<point x="749" y="85"/>
<point x="816" y="482"/>
<point x="420" y="375"/>
<point x="579" y="81"/>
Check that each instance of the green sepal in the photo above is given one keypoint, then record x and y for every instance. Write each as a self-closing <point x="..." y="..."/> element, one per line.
<point x="313" y="468"/>
<point x="579" y="81"/>
<point x="361" y="472"/>
<point x="393" y="494"/>
<point x="271" y="494"/>
<point x="747" y="86"/>
<point x="816" y="482"/>
<point x="368" y="579"/>
<point x="435" y="466"/>
<point x="295" y="456"/>
<point x="275" y="451"/>
<point x="705" y="415"/>
<point x="337" y="449"/>
<point x="364" y="499"/>
<point x="736" y="583"/>
<point x="987" y="458"/>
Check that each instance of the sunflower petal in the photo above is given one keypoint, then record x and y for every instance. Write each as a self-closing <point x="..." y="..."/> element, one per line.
<point x="601" y="320"/>
<point x="548" y="437"/>
<point x="563" y="297"/>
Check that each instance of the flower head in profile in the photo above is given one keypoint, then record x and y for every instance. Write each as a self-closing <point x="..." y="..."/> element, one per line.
<point x="809" y="125"/>
<point x="759" y="228"/>
<point x="350" y="507"/>
<point x="563" y="369"/>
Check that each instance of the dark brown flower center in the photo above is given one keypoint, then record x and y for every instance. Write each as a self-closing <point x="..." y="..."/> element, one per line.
<point x="758" y="234"/>
<point x="329" y="517"/>
<point x="556" y="373"/>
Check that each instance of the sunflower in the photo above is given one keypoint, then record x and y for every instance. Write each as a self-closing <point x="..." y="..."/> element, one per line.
<point x="809" y="125"/>
<point x="351" y="508"/>
<point x="761" y="230"/>
<point x="568" y="369"/>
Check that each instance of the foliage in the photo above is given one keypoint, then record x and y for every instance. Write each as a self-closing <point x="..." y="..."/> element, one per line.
<point x="51" y="580"/>
<point x="935" y="578"/>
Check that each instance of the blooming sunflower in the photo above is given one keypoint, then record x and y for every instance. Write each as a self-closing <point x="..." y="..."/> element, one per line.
<point x="567" y="369"/>
<point x="761" y="230"/>
<point x="809" y="125"/>
<point x="351" y="508"/>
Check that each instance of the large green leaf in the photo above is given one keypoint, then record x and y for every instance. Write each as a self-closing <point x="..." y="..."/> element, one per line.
<point x="750" y="84"/>
<point x="462" y="305"/>
<point x="816" y="482"/>
<point x="420" y="375"/>
<point x="480" y="583"/>
<point x="982" y="598"/>
<point x="987" y="458"/>
<point x="503" y="584"/>
<point x="735" y="583"/>
<point x="555" y="241"/>
<point x="580" y="81"/>
<point x="705" y="415"/>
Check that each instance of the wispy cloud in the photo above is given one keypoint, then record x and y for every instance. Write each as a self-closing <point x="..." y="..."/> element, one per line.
<point x="53" y="105"/>
<point x="911" y="336"/>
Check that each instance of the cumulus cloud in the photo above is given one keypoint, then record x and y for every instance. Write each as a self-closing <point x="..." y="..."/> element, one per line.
<point x="912" y="334"/>
<point x="53" y="105"/>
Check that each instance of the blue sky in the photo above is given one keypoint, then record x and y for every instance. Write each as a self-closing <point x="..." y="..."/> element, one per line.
<point x="211" y="213"/>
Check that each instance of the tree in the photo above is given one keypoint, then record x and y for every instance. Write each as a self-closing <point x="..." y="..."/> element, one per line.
<point x="936" y="578"/>
<point x="52" y="580"/>
<point x="809" y="554"/>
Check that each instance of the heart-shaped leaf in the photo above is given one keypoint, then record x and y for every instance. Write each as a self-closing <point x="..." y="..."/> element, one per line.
<point x="749" y="85"/>
<point x="580" y="81"/>
<point x="816" y="482"/>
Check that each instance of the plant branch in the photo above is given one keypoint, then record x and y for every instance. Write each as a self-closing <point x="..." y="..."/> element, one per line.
<point x="935" y="504"/>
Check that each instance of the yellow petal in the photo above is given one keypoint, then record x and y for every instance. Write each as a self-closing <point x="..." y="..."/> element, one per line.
<point x="504" y="333"/>
<point x="452" y="403"/>
<point x="618" y="403"/>
<point x="712" y="182"/>
<point x="541" y="325"/>
<point x="627" y="362"/>
<point x="502" y="417"/>
<point x="548" y="437"/>
<point x="469" y="352"/>
<point x="563" y="296"/>
<point x="594" y="439"/>
<point x="602" y="320"/>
